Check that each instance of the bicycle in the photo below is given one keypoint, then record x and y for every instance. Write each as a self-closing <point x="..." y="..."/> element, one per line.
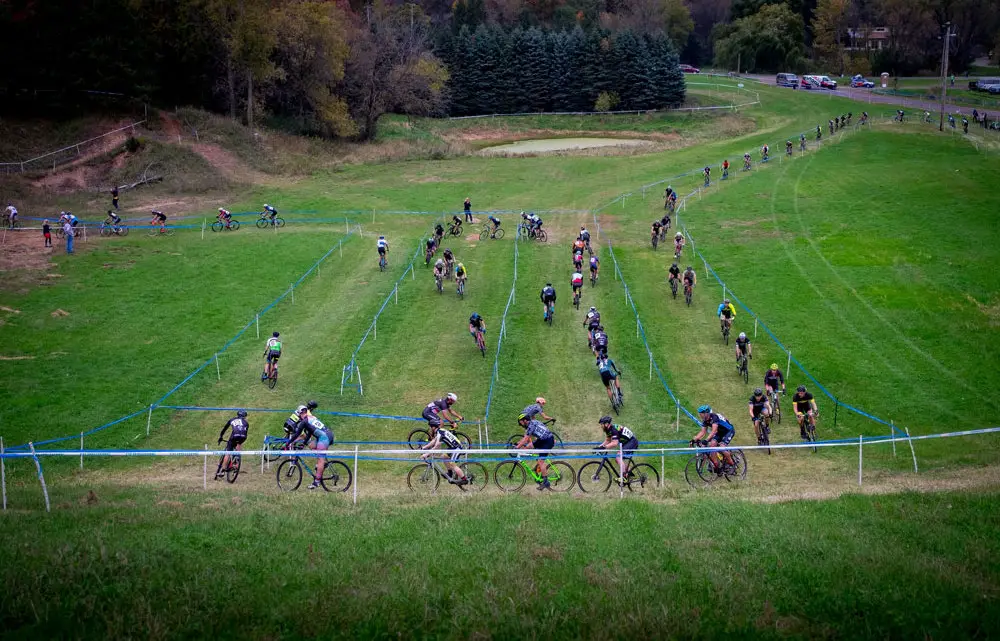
<point x="108" y="228"/>
<point x="655" y="239"/>
<point x="726" y="328"/>
<point x="427" y="256"/>
<point x="272" y="378"/>
<point x="153" y="232"/>
<point x="461" y="288"/>
<point x="336" y="475"/>
<point x="382" y="263"/>
<point x="550" y="312"/>
<point x="688" y="291"/>
<point x="233" y="225"/>
<point x="703" y="469"/>
<point x="514" y="439"/>
<point x="776" y="404"/>
<point x="742" y="367"/>
<point x="420" y="437"/>
<point x="593" y="278"/>
<point x="489" y="232"/>
<point x="447" y="270"/>
<point x="809" y="423"/>
<point x="265" y="221"/>
<point x="601" y="473"/>
<point x="426" y="477"/>
<point x="678" y="249"/>
<point x="481" y="342"/>
<point x="576" y="299"/>
<point x="233" y="470"/>
<point x="455" y="229"/>
<point x="763" y="425"/>
<point x="438" y="281"/>
<point x="673" y="287"/>
<point x="511" y="476"/>
<point x="746" y="165"/>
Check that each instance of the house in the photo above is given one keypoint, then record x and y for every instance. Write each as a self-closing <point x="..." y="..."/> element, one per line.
<point x="875" y="39"/>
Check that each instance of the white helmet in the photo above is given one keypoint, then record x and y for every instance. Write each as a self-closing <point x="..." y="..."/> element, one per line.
<point x="593" y="309"/>
<point x="452" y="397"/>
<point x="439" y="263"/>
<point x="678" y="235"/>
<point x="540" y="400"/>
<point x="743" y="335"/>
<point x="266" y="205"/>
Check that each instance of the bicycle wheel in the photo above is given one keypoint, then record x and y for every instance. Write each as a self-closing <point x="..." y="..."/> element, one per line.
<point x="655" y="240"/>
<point x="594" y="477"/>
<point x="706" y="469"/>
<point x="513" y="441"/>
<point x="673" y="288"/>
<point x="499" y="234"/>
<point x="279" y="221"/>
<point x="740" y="472"/>
<point x="642" y="478"/>
<point x="272" y="380"/>
<point x="811" y="436"/>
<point x="261" y="223"/>
<point x="542" y="236"/>
<point x="615" y="405"/>
<point x="217" y="226"/>
<point x="484" y="234"/>
<point x="336" y="476"/>
<point x="562" y="476"/>
<point x="463" y="439"/>
<point x="423" y="478"/>
<point x="418" y="438"/>
<point x="234" y="468"/>
<point x="122" y="230"/>
<point x="746" y="371"/>
<point x="478" y="476"/>
<point x="765" y="437"/>
<point x="461" y="290"/>
<point x="510" y="476"/>
<point x="105" y="229"/>
<point x="234" y="225"/>
<point x="687" y="297"/>
<point x="381" y="264"/>
<point x="725" y="335"/>
<point x="289" y="475"/>
<point x="691" y="473"/>
<point x="482" y="345"/>
<point x="437" y="282"/>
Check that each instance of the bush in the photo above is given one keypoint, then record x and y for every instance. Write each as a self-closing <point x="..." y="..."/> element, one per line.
<point x="606" y="101"/>
<point x="133" y="144"/>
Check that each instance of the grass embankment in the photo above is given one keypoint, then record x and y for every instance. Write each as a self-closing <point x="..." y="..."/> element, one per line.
<point x="187" y="567"/>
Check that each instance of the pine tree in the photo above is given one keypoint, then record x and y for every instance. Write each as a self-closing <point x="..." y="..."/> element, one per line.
<point x="534" y="71"/>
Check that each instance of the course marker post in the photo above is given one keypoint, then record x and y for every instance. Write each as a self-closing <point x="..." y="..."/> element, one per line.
<point x="861" y="439"/>
<point x="677" y="423"/>
<point x="291" y="290"/>
<point x="81" y="450"/>
<point x="650" y="367"/>
<point x="218" y="373"/>
<point x="204" y="482"/>
<point x="257" y="321"/>
<point x="41" y="477"/>
<point x="621" y="480"/>
<point x="375" y="328"/>
<point x="262" y="456"/>
<point x="755" y="327"/>
<point x="892" y="435"/>
<point x="355" y="474"/>
<point x="203" y="223"/>
<point x="663" y="458"/>
<point x="395" y="293"/>
<point x="788" y="367"/>
<point x="912" y="451"/>
<point x="3" y="475"/>
<point x="149" y="419"/>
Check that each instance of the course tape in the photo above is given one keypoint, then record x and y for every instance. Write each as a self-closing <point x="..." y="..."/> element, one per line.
<point x="385" y="417"/>
<point x="495" y="376"/>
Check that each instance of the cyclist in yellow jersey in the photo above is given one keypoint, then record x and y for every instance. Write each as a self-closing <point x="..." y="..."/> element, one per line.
<point x="726" y="313"/>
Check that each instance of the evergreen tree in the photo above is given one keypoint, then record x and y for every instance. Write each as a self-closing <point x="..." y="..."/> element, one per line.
<point x="534" y="71"/>
<point x="634" y="77"/>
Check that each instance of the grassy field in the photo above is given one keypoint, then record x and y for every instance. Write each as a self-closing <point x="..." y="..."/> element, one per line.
<point x="869" y="259"/>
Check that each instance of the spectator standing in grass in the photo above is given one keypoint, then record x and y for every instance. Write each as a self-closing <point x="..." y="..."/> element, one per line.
<point x="468" y="210"/>
<point x="114" y="197"/>
<point x="47" y="232"/>
<point x="68" y="230"/>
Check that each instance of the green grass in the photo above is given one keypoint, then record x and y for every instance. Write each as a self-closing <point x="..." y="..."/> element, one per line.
<point x="186" y="565"/>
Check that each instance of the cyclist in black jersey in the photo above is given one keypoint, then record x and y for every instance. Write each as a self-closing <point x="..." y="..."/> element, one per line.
<point x="600" y="342"/>
<point x="591" y="322"/>
<point x="548" y="296"/>
<point x="674" y="273"/>
<point x="760" y="409"/>
<point x="239" y="427"/>
<point x="615" y="435"/>
<point x="444" y="437"/>
<point x="743" y="346"/>
<point x="804" y="405"/>
<point x="774" y="379"/>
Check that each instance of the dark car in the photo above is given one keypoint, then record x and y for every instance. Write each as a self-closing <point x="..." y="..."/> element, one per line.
<point x="787" y="80"/>
<point x="859" y="81"/>
<point x="689" y="69"/>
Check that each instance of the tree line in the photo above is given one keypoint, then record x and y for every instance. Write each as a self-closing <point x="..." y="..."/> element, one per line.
<point x="497" y="70"/>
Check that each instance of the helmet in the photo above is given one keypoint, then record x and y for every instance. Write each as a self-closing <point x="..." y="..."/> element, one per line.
<point x="241" y="413"/>
<point x="593" y="309"/>
<point x="452" y="397"/>
<point x="522" y="417"/>
<point x="757" y="391"/>
<point x="381" y="237"/>
<point x="475" y="316"/>
<point x="670" y="188"/>
<point x="439" y="262"/>
<point x="725" y="301"/>
<point x="774" y="366"/>
<point x="678" y="235"/>
<point x="742" y="335"/>
<point x="705" y="409"/>
<point x="275" y="334"/>
<point x="540" y="400"/>
<point x="312" y="405"/>
<point x="801" y="388"/>
<point x="266" y="205"/>
<point x="221" y="209"/>
<point x="604" y="419"/>
<point x="447" y="250"/>
<point x="690" y="268"/>
<point x="548" y="284"/>
<point x="675" y="264"/>
<point x="461" y="265"/>
<point x="583" y="228"/>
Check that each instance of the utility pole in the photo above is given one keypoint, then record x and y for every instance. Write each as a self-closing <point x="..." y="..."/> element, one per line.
<point x="944" y="71"/>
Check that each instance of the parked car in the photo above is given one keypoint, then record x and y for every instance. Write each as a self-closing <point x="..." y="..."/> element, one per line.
<point x="984" y="84"/>
<point x="859" y="81"/>
<point x="826" y="83"/>
<point x="810" y="82"/>
<point x="689" y="69"/>
<point x="787" y="80"/>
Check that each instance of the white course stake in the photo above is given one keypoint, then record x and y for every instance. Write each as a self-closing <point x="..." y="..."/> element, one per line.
<point x="355" y="474"/>
<point x="81" y="450"/>
<point x="3" y="475"/>
<point x="912" y="451"/>
<point x="861" y="439"/>
<point x="663" y="457"/>
<point x="375" y="328"/>
<point x="256" y="318"/>
<point x="218" y="373"/>
<point x="677" y="424"/>
<point x="621" y="482"/>
<point x="149" y="419"/>
<point x="291" y="290"/>
<point x="203" y="223"/>
<point x="892" y="435"/>
<point x="755" y="327"/>
<point x="650" y="367"/>
<point x="788" y="368"/>
<point x="41" y="477"/>
<point x="204" y="482"/>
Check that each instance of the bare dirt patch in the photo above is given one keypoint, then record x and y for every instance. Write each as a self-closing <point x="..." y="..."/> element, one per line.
<point x="17" y="358"/>
<point x="992" y="312"/>
<point x="24" y="250"/>
<point x="228" y="164"/>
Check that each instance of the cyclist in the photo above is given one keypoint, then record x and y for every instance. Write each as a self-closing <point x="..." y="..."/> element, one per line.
<point x="690" y="278"/>
<point x="788" y="147"/>
<point x="965" y="125"/>
<point x="804" y="406"/>
<point x="576" y="280"/>
<point x="678" y="244"/>
<point x="864" y="117"/>
<point x="538" y="409"/>
<point x="439" y="270"/>
<point x="609" y="373"/>
<point x="224" y="216"/>
<point x="725" y="169"/>
<point x="299" y="415"/>
<point x="496" y="225"/>
<point x="717" y="430"/>
<point x="578" y="261"/>
<point x="743" y="346"/>
<point x="595" y="267"/>
<point x="774" y="379"/>
<point x="655" y="230"/>
<point x="450" y="442"/>
<point x="674" y="273"/>
<point x="585" y="237"/>
<point x="238" y="427"/>
<point x="11" y="213"/>
<point x="272" y="352"/>
<point x="449" y="261"/>
<point x="438" y="234"/>
<point x="536" y="222"/>
<point x="69" y="217"/>
<point x="764" y="151"/>
<point x="591" y="322"/>
<point x="382" y="245"/>
<point x="543" y="440"/>
<point x="161" y="219"/>
<point x="669" y="198"/>
<point x="707" y="171"/>
<point x="819" y="133"/>
<point x="802" y="142"/>
<point x="476" y="324"/>
<point x="441" y="407"/>
<point x="600" y="342"/>
<point x="726" y="314"/>
<point x="456" y="224"/>
<point x="548" y="296"/>
<point x="831" y="127"/>
<point x="579" y="246"/>
<point x="271" y="212"/>
<point x="114" y="220"/>
<point x="664" y="225"/>
<point x="836" y="122"/>
<point x="312" y="428"/>
<point x="746" y="161"/>
<point x="431" y="246"/>
<point x="461" y="273"/>
<point x="760" y="409"/>
<point x="615" y="435"/>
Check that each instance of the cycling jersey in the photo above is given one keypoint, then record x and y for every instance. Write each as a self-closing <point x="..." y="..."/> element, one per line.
<point x="578" y="259"/>
<point x="594" y="263"/>
<point x="548" y="295"/>
<point x="802" y="401"/>
<point x="238" y="429"/>
<point x="722" y="423"/>
<point x="313" y="428"/>
<point x="774" y="378"/>
<point x="382" y="243"/>
<point x="726" y="311"/>
<point x="270" y="210"/>
<point x="448" y="256"/>
<point x="223" y="213"/>
<point x="577" y="279"/>
<point x="430" y="243"/>
<point x="601" y="339"/>
<point x="532" y="410"/>
<point x="495" y="221"/>
<point x="578" y="246"/>
<point x="675" y="272"/>
<point x="757" y="404"/>
<point x="477" y="323"/>
<point x="689" y="277"/>
<point x="742" y="344"/>
<point x="274" y="345"/>
<point x="608" y="370"/>
<point x="620" y="433"/>
<point x="537" y="430"/>
<point x="11" y="211"/>
<point x="584" y="235"/>
<point x="432" y="410"/>
<point x="450" y="441"/>
<point x="593" y="320"/>
<point x="656" y="227"/>
<point x="461" y="272"/>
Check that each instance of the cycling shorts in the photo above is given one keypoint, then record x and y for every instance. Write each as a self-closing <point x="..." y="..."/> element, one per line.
<point x="273" y="356"/>
<point x="323" y="438"/>
<point x="757" y="411"/>
<point x="432" y="418"/>
<point x="602" y="351"/>
<point x="593" y="268"/>
<point x="630" y="446"/>
<point x="381" y="251"/>
<point x="234" y="440"/>
<point x="577" y="286"/>
<point x="607" y="376"/>
<point x="73" y="223"/>
<point x="723" y="438"/>
<point x="546" y="443"/>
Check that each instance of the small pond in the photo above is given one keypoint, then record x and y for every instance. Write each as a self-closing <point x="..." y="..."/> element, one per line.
<point x="543" y="145"/>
